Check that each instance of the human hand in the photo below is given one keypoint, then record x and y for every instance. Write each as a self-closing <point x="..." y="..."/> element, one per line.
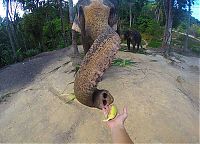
<point x="119" y="120"/>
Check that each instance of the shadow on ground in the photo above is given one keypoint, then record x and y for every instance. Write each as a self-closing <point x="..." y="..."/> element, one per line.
<point x="16" y="76"/>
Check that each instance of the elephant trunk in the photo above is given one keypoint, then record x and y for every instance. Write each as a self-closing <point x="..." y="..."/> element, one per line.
<point x="96" y="61"/>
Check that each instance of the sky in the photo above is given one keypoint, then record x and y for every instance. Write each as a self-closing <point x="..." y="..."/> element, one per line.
<point x="195" y="9"/>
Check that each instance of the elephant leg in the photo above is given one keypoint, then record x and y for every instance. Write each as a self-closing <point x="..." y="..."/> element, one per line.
<point x="141" y="46"/>
<point x="84" y="37"/>
<point x="133" y="43"/>
<point x="128" y="44"/>
<point x="134" y="47"/>
<point x="87" y="43"/>
<point x="138" y="45"/>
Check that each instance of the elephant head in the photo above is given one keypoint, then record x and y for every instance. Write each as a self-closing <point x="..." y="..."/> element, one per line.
<point x="96" y="21"/>
<point x="90" y="13"/>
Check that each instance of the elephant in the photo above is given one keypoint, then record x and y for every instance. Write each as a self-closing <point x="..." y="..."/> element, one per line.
<point x="133" y="37"/>
<point x="79" y="21"/>
<point x="96" y="21"/>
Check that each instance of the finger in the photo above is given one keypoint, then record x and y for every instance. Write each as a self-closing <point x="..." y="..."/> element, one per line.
<point x="125" y="110"/>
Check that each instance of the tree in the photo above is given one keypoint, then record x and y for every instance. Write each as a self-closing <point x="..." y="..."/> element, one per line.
<point x="62" y="23"/>
<point x="171" y="7"/>
<point x="74" y="34"/>
<point x="9" y="30"/>
<point x="130" y="14"/>
<point x="188" y="27"/>
<point x="168" y="26"/>
<point x="158" y="10"/>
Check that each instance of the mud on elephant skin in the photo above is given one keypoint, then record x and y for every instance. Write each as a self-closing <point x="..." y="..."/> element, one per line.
<point x="96" y="21"/>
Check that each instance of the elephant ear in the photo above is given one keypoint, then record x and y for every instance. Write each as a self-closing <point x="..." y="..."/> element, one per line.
<point x="76" y="25"/>
<point x="112" y="21"/>
<point x="81" y="18"/>
<point x="79" y="21"/>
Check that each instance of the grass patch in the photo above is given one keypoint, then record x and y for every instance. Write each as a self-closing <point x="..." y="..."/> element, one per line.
<point x="122" y="62"/>
<point x="123" y="48"/>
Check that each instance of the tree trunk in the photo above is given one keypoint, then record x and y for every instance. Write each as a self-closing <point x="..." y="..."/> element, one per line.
<point x="186" y="49"/>
<point x="158" y="13"/>
<point x="74" y="42"/>
<point x="71" y="11"/>
<point x="130" y="15"/>
<point x="62" y="23"/>
<point x="13" y="31"/>
<point x="168" y="27"/>
<point x="9" y="32"/>
<point x="24" y="41"/>
<point x="74" y="34"/>
<point x="13" y="27"/>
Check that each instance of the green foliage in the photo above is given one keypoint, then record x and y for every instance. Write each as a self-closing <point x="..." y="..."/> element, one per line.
<point x="195" y="30"/>
<point x="39" y="29"/>
<point x="122" y="62"/>
<point x="194" y="45"/>
<point x="32" y="26"/>
<point x="5" y="55"/>
<point x="155" y="43"/>
<point x="51" y="33"/>
<point x="123" y="48"/>
<point x="148" y="25"/>
<point x="195" y="49"/>
<point x="30" y="53"/>
<point x="180" y="37"/>
<point x="182" y="27"/>
<point x="179" y="41"/>
<point x="5" y="51"/>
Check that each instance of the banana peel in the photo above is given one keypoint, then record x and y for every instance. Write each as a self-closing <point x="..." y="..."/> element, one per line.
<point x="112" y="113"/>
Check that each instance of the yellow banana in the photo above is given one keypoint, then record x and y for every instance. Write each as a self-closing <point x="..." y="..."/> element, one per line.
<point x="112" y="113"/>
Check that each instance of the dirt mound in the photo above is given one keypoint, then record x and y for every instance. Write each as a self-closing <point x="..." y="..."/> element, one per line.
<point x="162" y="97"/>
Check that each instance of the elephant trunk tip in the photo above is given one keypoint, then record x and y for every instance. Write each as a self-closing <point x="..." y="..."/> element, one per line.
<point x="101" y="98"/>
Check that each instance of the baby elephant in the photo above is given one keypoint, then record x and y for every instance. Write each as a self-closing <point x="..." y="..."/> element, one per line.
<point x="133" y="37"/>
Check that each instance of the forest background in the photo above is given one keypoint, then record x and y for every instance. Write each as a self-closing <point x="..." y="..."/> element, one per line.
<point x="30" y="27"/>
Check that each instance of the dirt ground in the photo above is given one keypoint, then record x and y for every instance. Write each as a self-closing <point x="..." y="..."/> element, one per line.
<point x="162" y="97"/>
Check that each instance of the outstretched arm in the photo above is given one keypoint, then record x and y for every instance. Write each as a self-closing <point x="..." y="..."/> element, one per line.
<point x="118" y="131"/>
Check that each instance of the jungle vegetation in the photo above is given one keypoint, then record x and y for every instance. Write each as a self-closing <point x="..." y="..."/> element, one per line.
<point x="46" y="26"/>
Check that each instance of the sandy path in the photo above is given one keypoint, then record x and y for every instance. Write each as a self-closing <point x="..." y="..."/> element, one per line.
<point x="162" y="101"/>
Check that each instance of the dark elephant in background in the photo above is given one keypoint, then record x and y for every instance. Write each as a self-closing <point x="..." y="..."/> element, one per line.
<point x="133" y="37"/>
